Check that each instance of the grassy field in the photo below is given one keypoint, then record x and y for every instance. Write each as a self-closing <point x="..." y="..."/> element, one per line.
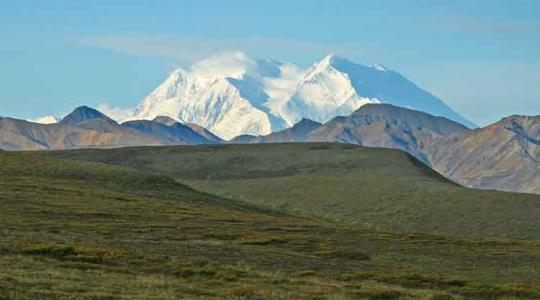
<point x="373" y="188"/>
<point x="84" y="230"/>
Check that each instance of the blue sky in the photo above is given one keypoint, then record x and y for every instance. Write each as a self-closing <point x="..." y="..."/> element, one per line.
<point x="480" y="57"/>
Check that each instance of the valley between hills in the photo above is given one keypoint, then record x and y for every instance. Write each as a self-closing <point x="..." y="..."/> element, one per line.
<point x="264" y="221"/>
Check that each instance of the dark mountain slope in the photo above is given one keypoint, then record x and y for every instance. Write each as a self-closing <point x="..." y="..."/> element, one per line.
<point x="23" y="135"/>
<point x="504" y="155"/>
<point x="200" y="131"/>
<point x="299" y="132"/>
<point x="388" y="126"/>
<point x="83" y="114"/>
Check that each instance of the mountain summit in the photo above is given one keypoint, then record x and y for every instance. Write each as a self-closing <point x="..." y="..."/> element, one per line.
<point x="83" y="114"/>
<point x="233" y="94"/>
<point x="362" y="84"/>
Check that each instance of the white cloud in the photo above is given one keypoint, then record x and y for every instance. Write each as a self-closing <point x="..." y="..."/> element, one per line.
<point x="116" y="113"/>
<point x="187" y="50"/>
<point x="45" y="120"/>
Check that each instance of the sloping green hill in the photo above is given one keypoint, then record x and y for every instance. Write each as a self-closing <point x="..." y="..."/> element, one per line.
<point x="82" y="230"/>
<point x="374" y="188"/>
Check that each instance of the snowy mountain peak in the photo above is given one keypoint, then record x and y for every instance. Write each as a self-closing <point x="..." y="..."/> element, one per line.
<point x="177" y="81"/>
<point x="331" y="58"/>
<point x="335" y="61"/>
<point x="231" y="93"/>
<point x="327" y="59"/>
<point x="331" y="63"/>
<point x="324" y="92"/>
<point x="324" y="64"/>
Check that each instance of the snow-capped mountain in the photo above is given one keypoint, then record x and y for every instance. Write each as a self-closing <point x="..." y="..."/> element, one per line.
<point x="232" y="94"/>
<point x="223" y="94"/>
<point x="336" y="86"/>
<point x="323" y="93"/>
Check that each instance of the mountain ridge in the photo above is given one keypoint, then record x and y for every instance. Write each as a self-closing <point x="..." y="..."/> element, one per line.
<point x="83" y="114"/>
<point x="504" y="155"/>
<point x="233" y="94"/>
<point x="496" y="156"/>
<point x="87" y="127"/>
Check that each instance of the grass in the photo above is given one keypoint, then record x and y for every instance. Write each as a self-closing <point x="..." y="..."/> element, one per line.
<point x="373" y="188"/>
<point x="84" y="230"/>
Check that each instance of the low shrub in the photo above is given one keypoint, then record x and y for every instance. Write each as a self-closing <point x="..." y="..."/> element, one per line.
<point x="51" y="250"/>
<point x="264" y="241"/>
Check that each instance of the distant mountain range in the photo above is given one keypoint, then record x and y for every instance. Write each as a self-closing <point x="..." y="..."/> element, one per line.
<point x="504" y="155"/>
<point x="232" y="94"/>
<point x="373" y="125"/>
<point x="87" y="127"/>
